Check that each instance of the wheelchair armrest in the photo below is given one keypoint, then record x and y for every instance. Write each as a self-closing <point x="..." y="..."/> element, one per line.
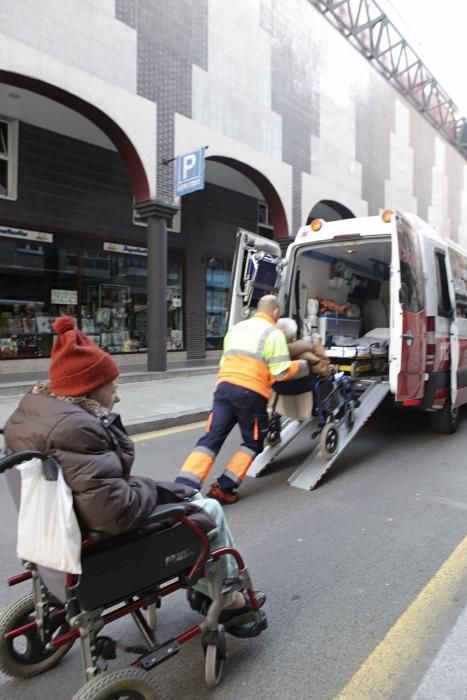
<point x="159" y="514"/>
<point x="169" y="510"/>
<point x="17" y="457"/>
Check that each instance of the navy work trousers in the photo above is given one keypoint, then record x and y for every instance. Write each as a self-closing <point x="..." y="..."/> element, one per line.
<point x="235" y="404"/>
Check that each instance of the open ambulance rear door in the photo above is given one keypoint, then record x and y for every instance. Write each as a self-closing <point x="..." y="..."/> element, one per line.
<point x="255" y="272"/>
<point x="408" y="314"/>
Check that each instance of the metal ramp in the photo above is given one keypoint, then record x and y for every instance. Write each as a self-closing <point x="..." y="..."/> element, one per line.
<point x="315" y="465"/>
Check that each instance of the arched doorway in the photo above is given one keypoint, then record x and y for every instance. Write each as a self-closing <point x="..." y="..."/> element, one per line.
<point x="236" y="196"/>
<point x="102" y="121"/>
<point x="68" y="243"/>
<point x="270" y="196"/>
<point x="329" y="210"/>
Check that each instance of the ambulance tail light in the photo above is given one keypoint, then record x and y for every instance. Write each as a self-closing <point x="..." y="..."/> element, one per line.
<point x="412" y="402"/>
<point x="316" y="224"/>
<point x="430" y="343"/>
<point x="386" y="215"/>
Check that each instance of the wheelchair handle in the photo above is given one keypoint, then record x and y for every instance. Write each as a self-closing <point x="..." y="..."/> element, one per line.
<point x="49" y="464"/>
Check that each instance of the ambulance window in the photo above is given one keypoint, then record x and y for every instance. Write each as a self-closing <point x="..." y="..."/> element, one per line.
<point x="412" y="283"/>
<point x="444" y="302"/>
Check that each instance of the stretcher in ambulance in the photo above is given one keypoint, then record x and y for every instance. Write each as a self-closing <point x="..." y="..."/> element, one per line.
<point x="387" y="294"/>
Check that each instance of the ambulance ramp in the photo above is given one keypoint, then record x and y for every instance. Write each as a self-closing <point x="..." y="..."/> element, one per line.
<point x="315" y="465"/>
<point x="289" y="431"/>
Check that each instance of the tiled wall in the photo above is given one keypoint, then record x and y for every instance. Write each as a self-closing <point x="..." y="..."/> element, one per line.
<point x="274" y="75"/>
<point x="68" y="185"/>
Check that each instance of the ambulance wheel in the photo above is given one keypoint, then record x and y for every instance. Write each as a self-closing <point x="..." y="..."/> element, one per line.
<point x="329" y="440"/>
<point x="130" y="684"/>
<point x="445" y="421"/>
<point x="26" y="656"/>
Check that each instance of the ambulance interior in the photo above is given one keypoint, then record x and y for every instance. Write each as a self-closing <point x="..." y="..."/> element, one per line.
<point x="341" y="291"/>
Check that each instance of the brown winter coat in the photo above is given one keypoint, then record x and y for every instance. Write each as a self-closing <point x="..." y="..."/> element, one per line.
<point x="314" y="353"/>
<point x="96" y="456"/>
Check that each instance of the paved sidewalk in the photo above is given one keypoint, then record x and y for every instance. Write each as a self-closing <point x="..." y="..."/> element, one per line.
<point x="151" y="404"/>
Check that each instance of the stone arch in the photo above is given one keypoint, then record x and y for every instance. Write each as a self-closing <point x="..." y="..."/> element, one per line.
<point x="329" y="210"/>
<point x="128" y="152"/>
<point x="267" y="189"/>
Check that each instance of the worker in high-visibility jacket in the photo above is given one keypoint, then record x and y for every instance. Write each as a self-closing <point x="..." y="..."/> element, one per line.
<point x="255" y="356"/>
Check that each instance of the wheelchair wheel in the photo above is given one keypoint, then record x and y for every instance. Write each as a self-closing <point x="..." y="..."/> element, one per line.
<point x="349" y="417"/>
<point x="329" y="440"/>
<point x="215" y="655"/>
<point x="213" y="665"/>
<point x="129" y="684"/>
<point x="25" y="656"/>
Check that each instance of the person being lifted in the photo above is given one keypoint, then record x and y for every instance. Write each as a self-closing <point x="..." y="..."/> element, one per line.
<point x="255" y="356"/>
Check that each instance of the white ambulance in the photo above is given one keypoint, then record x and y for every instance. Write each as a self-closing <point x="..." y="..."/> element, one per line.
<point x="387" y="294"/>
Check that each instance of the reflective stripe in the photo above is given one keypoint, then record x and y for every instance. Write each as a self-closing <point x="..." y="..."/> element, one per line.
<point x="197" y="465"/>
<point x="255" y="430"/>
<point x="245" y="353"/>
<point x="263" y="338"/>
<point x="279" y="358"/>
<point x="206" y="451"/>
<point x="233" y="477"/>
<point x="238" y="465"/>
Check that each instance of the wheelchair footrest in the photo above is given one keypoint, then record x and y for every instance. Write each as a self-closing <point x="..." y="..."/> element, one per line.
<point x="250" y="629"/>
<point x="157" y="655"/>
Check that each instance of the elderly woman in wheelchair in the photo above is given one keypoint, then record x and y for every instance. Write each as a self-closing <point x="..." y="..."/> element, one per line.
<point x="141" y="539"/>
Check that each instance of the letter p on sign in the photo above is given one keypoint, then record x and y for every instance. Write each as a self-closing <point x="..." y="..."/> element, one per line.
<point x="189" y="172"/>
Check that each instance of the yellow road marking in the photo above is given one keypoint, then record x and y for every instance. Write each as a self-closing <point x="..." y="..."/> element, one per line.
<point x="379" y="674"/>
<point x="168" y="431"/>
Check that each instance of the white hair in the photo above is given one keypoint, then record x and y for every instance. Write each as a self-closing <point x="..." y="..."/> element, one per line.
<point x="289" y="327"/>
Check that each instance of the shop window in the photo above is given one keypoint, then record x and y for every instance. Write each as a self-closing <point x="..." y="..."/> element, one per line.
<point x="114" y="292"/>
<point x="8" y="158"/>
<point x="108" y="298"/>
<point x="264" y="227"/>
<point x="34" y="290"/>
<point x="218" y="274"/>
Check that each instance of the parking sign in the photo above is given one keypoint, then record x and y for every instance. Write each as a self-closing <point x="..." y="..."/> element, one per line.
<point x="189" y="172"/>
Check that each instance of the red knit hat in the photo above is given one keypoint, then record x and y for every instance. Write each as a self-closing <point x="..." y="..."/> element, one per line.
<point x="78" y="366"/>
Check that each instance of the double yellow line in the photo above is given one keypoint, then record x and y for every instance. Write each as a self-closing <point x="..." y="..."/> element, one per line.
<point x="379" y="675"/>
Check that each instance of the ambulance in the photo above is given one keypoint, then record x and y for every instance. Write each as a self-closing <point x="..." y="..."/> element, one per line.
<point x="387" y="294"/>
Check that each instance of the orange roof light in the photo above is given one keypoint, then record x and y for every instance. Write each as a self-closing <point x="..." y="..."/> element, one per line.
<point x="316" y="224"/>
<point x="386" y="215"/>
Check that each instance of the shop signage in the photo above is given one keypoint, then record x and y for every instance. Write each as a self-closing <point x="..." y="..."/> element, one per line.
<point x="124" y="248"/>
<point x="25" y="234"/>
<point x="189" y="172"/>
<point x="68" y="297"/>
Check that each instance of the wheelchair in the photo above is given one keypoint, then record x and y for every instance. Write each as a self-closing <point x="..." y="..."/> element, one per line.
<point x="334" y="397"/>
<point x="127" y="574"/>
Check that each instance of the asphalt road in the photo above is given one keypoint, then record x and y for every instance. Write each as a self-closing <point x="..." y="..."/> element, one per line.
<point x="340" y="566"/>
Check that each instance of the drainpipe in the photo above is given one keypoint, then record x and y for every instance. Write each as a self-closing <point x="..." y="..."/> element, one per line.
<point x="157" y="214"/>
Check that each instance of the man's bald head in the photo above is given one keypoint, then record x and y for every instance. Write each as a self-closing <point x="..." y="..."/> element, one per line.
<point x="269" y="304"/>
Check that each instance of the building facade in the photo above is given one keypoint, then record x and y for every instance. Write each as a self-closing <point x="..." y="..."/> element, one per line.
<point x="96" y="99"/>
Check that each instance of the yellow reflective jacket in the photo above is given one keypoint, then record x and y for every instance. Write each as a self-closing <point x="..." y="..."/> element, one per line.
<point x="256" y="355"/>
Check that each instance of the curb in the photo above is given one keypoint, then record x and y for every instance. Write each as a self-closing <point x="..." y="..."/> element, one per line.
<point x="19" y="388"/>
<point x="146" y="425"/>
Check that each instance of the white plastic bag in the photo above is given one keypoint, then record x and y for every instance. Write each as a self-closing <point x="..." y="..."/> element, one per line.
<point x="48" y="531"/>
